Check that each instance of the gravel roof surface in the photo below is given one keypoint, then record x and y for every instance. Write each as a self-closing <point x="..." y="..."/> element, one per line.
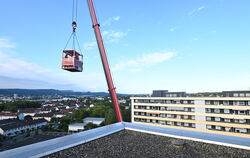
<point x="126" y="144"/>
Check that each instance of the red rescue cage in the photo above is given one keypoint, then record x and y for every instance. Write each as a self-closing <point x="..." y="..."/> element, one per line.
<point x="72" y="61"/>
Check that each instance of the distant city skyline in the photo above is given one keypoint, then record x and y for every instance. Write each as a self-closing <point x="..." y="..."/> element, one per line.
<point x="192" y="46"/>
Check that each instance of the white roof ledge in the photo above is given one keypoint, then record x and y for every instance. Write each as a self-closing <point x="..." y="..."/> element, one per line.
<point x="61" y="143"/>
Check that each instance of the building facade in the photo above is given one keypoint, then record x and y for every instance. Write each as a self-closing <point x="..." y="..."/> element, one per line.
<point x="76" y="127"/>
<point x="95" y="120"/>
<point x="9" y="115"/>
<point x="13" y="127"/>
<point x="221" y="115"/>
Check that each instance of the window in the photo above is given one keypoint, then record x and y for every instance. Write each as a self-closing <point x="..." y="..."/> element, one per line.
<point x="218" y="127"/>
<point x="235" y="102"/>
<point x="225" y="102"/>
<point x="208" y="110"/>
<point x="227" y="129"/>
<point x="168" y="102"/>
<point x="217" y="110"/>
<point x="208" y="118"/>
<point x="236" y="94"/>
<point x="162" y="122"/>
<point x="209" y="126"/>
<point x="241" y="112"/>
<point x="227" y="111"/>
<point x="241" y="103"/>
<point x="217" y="119"/>
<point x="242" y="121"/>
<point x="247" y="94"/>
<point x="173" y="95"/>
<point x="242" y="94"/>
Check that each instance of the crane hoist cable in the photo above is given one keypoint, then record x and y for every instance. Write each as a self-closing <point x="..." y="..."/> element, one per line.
<point x="73" y="35"/>
<point x="72" y="59"/>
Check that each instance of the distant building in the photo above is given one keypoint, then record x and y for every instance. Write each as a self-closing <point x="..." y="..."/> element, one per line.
<point x="13" y="127"/>
<point x="166" y="93"/>
<point x="122" y="101"/>
<point x="94" y="120"/>
<point x="15" y="96"/>
<point x="29" y="111"/>
<point x="76" y="127"/>
<point x="46" y="116"/>
<point x="9" y="115"/>
<point x="236" y="93"/>
<point x="228" y="115"/>
<point x="159" y="93"/>
<point x="59" y="114"/>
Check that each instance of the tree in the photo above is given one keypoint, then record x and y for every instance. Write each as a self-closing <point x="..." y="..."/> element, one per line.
<point x="90" y="126"/>
<point x="126" y="114"/>
<point x="14" y="106"/>
<point x="110" y="117"/>
<point x="64" y="122"/>
<point x="28" y="117"/>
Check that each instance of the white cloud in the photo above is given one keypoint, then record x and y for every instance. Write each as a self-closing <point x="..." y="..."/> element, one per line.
<point x="116" y="18"/>
<point x="110" y="20"/>
<point x="13" y="67"/>
<point x="200" y="8"/>
<point x="172" y="29"/>
<point x="109" y="36"/>
<point x="144" y="60"/>
<point x="195" y="39"/>
<point x="24" y="74"/>
<point x="113" y="36"/>
<point x="89" y="45"/>
<point x="196" y="10"/>
<point x="5" y="43"/>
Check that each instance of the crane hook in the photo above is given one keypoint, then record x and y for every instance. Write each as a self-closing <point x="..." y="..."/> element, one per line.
<point x="74" y="25"/>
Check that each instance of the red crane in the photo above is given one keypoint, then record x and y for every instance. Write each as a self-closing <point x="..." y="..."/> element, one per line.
<point x="111" y="88"/>
<point x="96" y="27"/>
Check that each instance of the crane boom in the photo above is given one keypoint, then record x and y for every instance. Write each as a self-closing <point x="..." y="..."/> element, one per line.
<point x="105" y="64"/>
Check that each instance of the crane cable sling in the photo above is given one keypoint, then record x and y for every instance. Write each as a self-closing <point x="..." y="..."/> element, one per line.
<point x="74" y="10"/>
<point x="73" y="34"/>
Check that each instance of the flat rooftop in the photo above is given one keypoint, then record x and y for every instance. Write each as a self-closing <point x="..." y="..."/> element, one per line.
<point x="127" y="143"/>
<point x="135" y="140"/>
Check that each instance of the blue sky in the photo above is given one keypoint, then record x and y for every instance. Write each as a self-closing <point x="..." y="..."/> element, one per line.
<point x="193" y="46"/>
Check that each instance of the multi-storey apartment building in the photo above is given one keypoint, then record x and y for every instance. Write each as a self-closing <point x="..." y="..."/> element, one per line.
<point x="228" y="113"/>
